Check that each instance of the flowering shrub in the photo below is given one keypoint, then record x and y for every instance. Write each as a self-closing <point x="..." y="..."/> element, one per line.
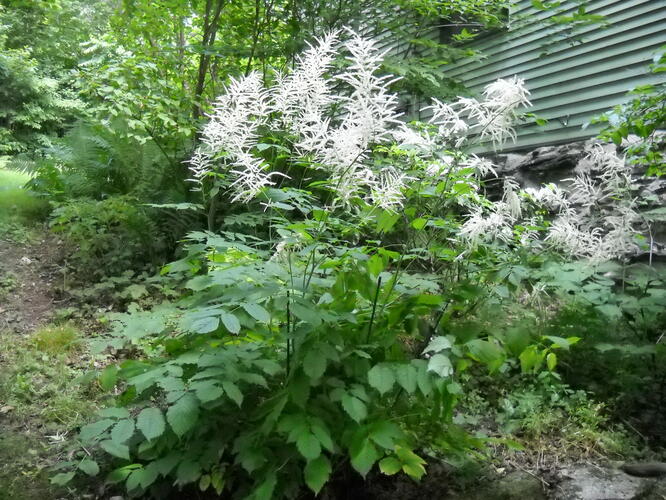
<point x="335" y="132"/>
<point x="331" y="322"/>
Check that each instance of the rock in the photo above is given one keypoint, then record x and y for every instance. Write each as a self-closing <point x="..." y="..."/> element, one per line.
<point x="586" y="482"/>
<point x="646" y="469"/>
<point x="517" y="485"/>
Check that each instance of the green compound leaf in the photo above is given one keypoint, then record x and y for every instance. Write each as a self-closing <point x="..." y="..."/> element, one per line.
<point x="441" y="365"/>
<point x="390" y="466"/>
<point x="88" y="466"/>
<point x="363" y="456"/>
<point x="230" y="322"/>
<point x="314" y="363"/>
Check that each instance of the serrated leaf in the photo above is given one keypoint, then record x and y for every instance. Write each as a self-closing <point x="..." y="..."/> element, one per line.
<point x="412" y="464"/>
<point x="122" y="431"/>
<point x="306" y="313"/>
<point x="121" y="473"/>
<point x="116" y="449"/>
<point x="354" y="407"/>
<point x="407" y="377"/>
<point x="385" y="434"/>
<point x="559" y="342"/>
<point x="183" y="415"/>
<point x="390" y="466"/>
<point x="381" y="378"/>
<point x="108" y="377"/>
<point x="166" y="464"/>
<point x="88" y="466"/>
<point x="151" y="423"/>
<point x="257" y="312"/>
<point x="207" y="391"/>
<point x="308" y="445"/>
<point x="93" y="430"/>
<point x="317" y="472"/>
<point x="233" y="392"/>
<point x="188" y="471"/>
<point x="217" y="481"/>
<point x="485" y="351"/>
<point x="254" y="378"/>
<point x="363" y="456"/>
<point x="441" y="365"/>
<point x="314" y="363"/>
<point x="551" y="361"/>
<point x="320" y="430"/>
<point x="423" y="379"/>
<point x="438" y="344"/>
<point x="205" y="325"/>
<point x="204" y="482"/>
<point x="265" y="490"/>
<point x="230" y="322"/>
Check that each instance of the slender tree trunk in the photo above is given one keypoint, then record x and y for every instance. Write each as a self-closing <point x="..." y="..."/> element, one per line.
<point x="211" y="24"/>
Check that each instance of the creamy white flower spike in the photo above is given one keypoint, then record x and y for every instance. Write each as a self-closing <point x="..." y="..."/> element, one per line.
<point x="302" y="98"/>
<point x="551" y="197"/>
<point x="200" y="165"/>
<point x="507" y="94"/>
<point x="482" y="166"/>
<point x="335" y="131"/>
<point x="565" y="234"/>
<point x="237" y="115"/>
<point x="387" y="192"/>
<point x="511" y="198"/>
<point x="480" y="227"/>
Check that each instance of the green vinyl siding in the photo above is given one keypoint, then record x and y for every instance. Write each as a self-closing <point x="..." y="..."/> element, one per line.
<point x="571" y="80"/>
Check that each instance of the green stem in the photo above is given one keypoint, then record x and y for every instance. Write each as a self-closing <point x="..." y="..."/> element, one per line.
<point x="374" y="308"/>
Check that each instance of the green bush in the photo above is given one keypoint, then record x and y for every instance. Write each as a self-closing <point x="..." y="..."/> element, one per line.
<point x="108" y="237"/>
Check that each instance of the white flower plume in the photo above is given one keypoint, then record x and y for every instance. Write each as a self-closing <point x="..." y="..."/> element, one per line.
<point x="387" y="191"/>
<point x="490" y="119"/>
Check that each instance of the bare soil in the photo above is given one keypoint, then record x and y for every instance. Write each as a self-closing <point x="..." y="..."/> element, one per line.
<point x="28" y="276"/>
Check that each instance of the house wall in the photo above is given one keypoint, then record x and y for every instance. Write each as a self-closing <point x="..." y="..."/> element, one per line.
<point x="571" y="78"/>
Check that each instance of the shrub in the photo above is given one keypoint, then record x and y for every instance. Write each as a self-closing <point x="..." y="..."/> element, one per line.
<point x="108" y="236"/>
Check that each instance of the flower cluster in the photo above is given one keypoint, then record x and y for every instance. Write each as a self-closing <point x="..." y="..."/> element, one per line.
<point x="489" y="119"/>
<point x="301" y="103"/>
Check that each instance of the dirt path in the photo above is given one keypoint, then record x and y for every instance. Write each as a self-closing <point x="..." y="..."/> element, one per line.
<point x="28" y="277"/>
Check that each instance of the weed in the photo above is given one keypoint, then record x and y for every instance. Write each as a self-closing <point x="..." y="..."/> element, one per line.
<point x="41" y="404"/>
<point x="547" y="414"/>
<point x="7" y="283"/>
<point x="56" y="339"/>
<point x="37" y="379"/>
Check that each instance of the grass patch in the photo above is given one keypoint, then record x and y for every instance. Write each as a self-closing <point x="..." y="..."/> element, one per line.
<point x="42" y="403"/>
<point x="24" y="463"/>
<point x="56" y="340"/>
<point x="17" y="205"/>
